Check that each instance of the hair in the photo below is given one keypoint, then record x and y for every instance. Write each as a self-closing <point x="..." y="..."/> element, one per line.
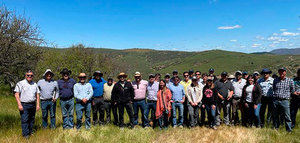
<point x="247" y="82"/>
<point x="185" y="72"/>
<point x="176" y="77"/>
<point x="210" y="87"/>
<point x="163" y="82"/>
<point x="204" y="74"/>
<point x="198" y="72"/>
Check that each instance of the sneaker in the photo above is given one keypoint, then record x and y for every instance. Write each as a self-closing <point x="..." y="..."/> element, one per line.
<point x="214" y="127"/>
<point x="180" y="126"/>
<point x="175" y="126"/>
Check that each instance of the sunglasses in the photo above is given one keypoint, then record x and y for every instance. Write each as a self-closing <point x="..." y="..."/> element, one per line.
<point x="209" y="80"/>
<point x="198" y="74"/>
<point x="82" y="77"/>
<point x="29" y="75"/>
<point x="186" y="75"/>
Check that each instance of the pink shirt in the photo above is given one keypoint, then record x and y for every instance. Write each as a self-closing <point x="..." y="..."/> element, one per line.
<point x="140" y="89"/>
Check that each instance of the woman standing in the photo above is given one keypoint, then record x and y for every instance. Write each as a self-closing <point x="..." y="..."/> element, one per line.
<point x="209" y="101"/>
<point x="163" y="105"/>
<point x="251" y="100"/>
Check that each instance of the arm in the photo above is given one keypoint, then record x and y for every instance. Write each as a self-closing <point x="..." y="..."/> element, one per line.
<point x="56" y="91"/>
<point x="17" y="95"/>
<point x="292" y="87"/>
<point x="231" y="91"/>
<point x="37" y="101"/>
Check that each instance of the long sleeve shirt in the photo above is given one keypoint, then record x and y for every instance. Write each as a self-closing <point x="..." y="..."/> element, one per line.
<point x="194" y="93"/>
<point x="266" y="86"/>
<point x="152" y="90"/>
<point x="283" y="88"/>
<point x="48" y="89"/>
<point x="178" y="92"/>
<point x="97" y="87"/>
<point x="83" y="91"/>
<point x="66" y="88"/>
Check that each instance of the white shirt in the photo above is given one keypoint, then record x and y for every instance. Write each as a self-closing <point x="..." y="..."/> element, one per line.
<point x="238" y="87"/>
<point x="249" y="91"/>
<point x="27" y="91"/>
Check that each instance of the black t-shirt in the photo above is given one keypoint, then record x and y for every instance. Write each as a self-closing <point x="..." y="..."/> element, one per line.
<point x="223" y="87"/>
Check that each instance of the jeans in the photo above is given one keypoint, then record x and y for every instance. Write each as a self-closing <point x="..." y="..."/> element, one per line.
<point x="48" y="106"/>
<point x="163" y="120"/>
<point x="193" y="114"/>
<point x="151" y="106"/>
<point x="128" y="107"/>
<point x="27" y="118"/>
<point x="180" y="108"/>
<point x="282" y="106"/>
<point x="185" y="113"/>
<point x="251" y="115"/>
<point x="236" y="104"/>
<point x="266" y="102"/>
<point x="226" y="108"/>
<point x="140" y="104"/>
<point x="98" y="107"/>
<point x="67" y="109"/>
<point x="211" y="113"/>
<point x="202" y="120"/>
<point x="295" y="105"/>
<point x="86" y="108"/>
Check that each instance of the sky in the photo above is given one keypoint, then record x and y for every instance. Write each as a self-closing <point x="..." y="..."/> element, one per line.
<point x="183" y="25"/>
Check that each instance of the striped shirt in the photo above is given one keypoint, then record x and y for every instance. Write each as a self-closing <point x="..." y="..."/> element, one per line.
<point x="283" y="88"/>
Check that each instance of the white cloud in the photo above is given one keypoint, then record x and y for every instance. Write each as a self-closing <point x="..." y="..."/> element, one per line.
<point x="229" y="27"/>
<point x="233" y="40"/>
<point x="289" y="34"/>
<point x="255" y="45"/>
<point x="276" y="42"/>
<point x="276" y="38"/>
<point x="275" y="34"/>
<point x="242" y="46"/>
<point x="283" y="29"/>
<point x="259" y="37"/>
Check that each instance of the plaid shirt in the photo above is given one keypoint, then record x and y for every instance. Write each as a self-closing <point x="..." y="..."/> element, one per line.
<point x="283" y="88"/>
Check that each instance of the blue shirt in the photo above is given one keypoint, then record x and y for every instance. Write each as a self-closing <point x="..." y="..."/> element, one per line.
<point x="152" y="90"/>
<point x="97" y="87"/>
<point x="83" y="91"/>
<point x="66" y="88"/>
<point x="177" y="92"/>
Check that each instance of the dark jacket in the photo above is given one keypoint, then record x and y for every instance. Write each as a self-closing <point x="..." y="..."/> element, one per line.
<point x="66" y="88"/>
<point x="122" y="94"/>
<point x="256" y="94"/>
<point x="209" y="99"/>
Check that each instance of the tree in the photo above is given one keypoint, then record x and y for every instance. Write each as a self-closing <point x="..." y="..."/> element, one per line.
<point x="19" y="41"/>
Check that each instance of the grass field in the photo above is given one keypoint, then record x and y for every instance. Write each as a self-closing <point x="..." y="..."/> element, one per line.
<point x="10" y="131"/>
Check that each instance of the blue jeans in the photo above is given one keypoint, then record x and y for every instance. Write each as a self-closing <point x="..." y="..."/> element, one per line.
<point x="67" y="109"/>
<point x="141" y="104"/>
<point x="282" y="107"/>
<point x="211" y="113"/>
<point x="86" y="108"/>
<point x="150" y="106"/>
<point x="48" y="106"/>
<point x="27" y="118"/>
<point x="180" y="108"/>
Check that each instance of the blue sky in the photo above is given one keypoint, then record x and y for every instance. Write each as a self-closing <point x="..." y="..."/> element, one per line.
<point x="185" y="25"/>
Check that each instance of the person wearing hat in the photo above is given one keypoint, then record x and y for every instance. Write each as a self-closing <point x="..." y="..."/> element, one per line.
<point x="256" y="76"/>
<point x="211" y="72"/>
<point x="231" y="77"/>
<point x="225" y="91"/>
<point x="139" y="102"/>
<point x="27" y="95"/>
<point x="266" y="85"/>
<point x="283" y="87"/>
<point x="108" y="105"/>
<point x="238" y="84"/>
<point x="194" y="95"/>
<point x="97" y="100"/>
<point x="167" y="80"/>
<point x="152" y="89"/>
<point x="49" y="94"/>
<point x="185" y="83"/>
<point x="83" y="92"/>
<point x="66" y="95"/>
<point x="295" y="99"/>
<point x="191" y="73"/>
<point x="175" y="74"/>
<point x="123" y="96"/>
<point x="245" y="75"/>
<point x="209" y="101"/>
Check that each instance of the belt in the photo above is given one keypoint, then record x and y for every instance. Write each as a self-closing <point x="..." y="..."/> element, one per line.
<point x="67" y="98"/>
<point x="139" y="99"/>
<point x="28" y="102"/>
<point x="151" y="101"/>
<point x="280" y="99"/>
<point x="46" y="99"/>
<point x="97" y="97"/>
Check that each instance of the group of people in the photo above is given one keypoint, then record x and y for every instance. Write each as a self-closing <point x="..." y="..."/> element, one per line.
<point x="190" y="98"/>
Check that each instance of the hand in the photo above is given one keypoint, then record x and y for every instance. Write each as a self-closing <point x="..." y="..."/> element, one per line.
<point x="93" y="103"/>
<point x="37" y="108"/>
<point x="130" y="102"/>
<point x="53" y="100"/>
<point x="213" y="107"/>
<point x="115" y="103"/>
<point x="228" y="98"/>
<point x="20" y="108"/>
<point x="181" y="101"/>
<point x="203" y="106"/>
<point x="222" y="98"/>
<point x="171" y="101"/>
<point x="84" y="100"/>
<point x="255" y="106"/>
<point x="246" y="105"/>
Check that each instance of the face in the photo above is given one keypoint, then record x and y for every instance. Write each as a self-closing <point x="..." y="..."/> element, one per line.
<point x="282" y="73"/>
<point x="198" y="75"/>
<point x="238" y="76"/>
<point x="175" y="74"/>
<point x="138" y="78"/>
<point x="97" y="77"/>
<point x="167" y="79"/>
<point x="29" y="76"/>
<point x="176" y="81"/>
<point x="109" y="82"/>
<point x="211" y="72"/>
<point x="266" y="75"/>
<point x="157" y="77"/>
<point x="186" y="76"/>
<point x="246" y="76"/>
<point x="209" y="82"/>
<point x="251" y="80"/>
<point x="151" y="80"/>
<point x="224" y="77"/>
<point x="204" y="78"/>
<point x="122" y="78"/>
<point x="48" y="76"/>
<point x="195" y="81"/>
<point x="65" y="76"/>
<point x="82" y="79"/>
<point x="162" y="84"/>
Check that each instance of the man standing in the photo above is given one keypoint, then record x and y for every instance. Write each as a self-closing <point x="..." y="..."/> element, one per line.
<point x="178" y="97"/>
<point x="167" y="80"/>
<point x="185" y="83"/>
<point x="194" y="96"/>
<point x="198" y="75"/>
<point x="66" y="95"/>
<point x="191" y="74"/>
<point x="27" y="95"/>
<point x="49" y="94"/>
<point x="140" y="88"/>
<point x="295" y="101"/>
<point x="97" y="100"/>
<point x="152" y="90"/>
<point x="238" y="85"/>
<point x="224" y="90"/>
<point x="211" y="72"/>
<point x="123" y="95"/>
<point x="83" y="93"/>
<point x="175" y="74"/>
<point x="283" y="87"/>
<point x="107" y="89"/>
<point x="266" y="85"/>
